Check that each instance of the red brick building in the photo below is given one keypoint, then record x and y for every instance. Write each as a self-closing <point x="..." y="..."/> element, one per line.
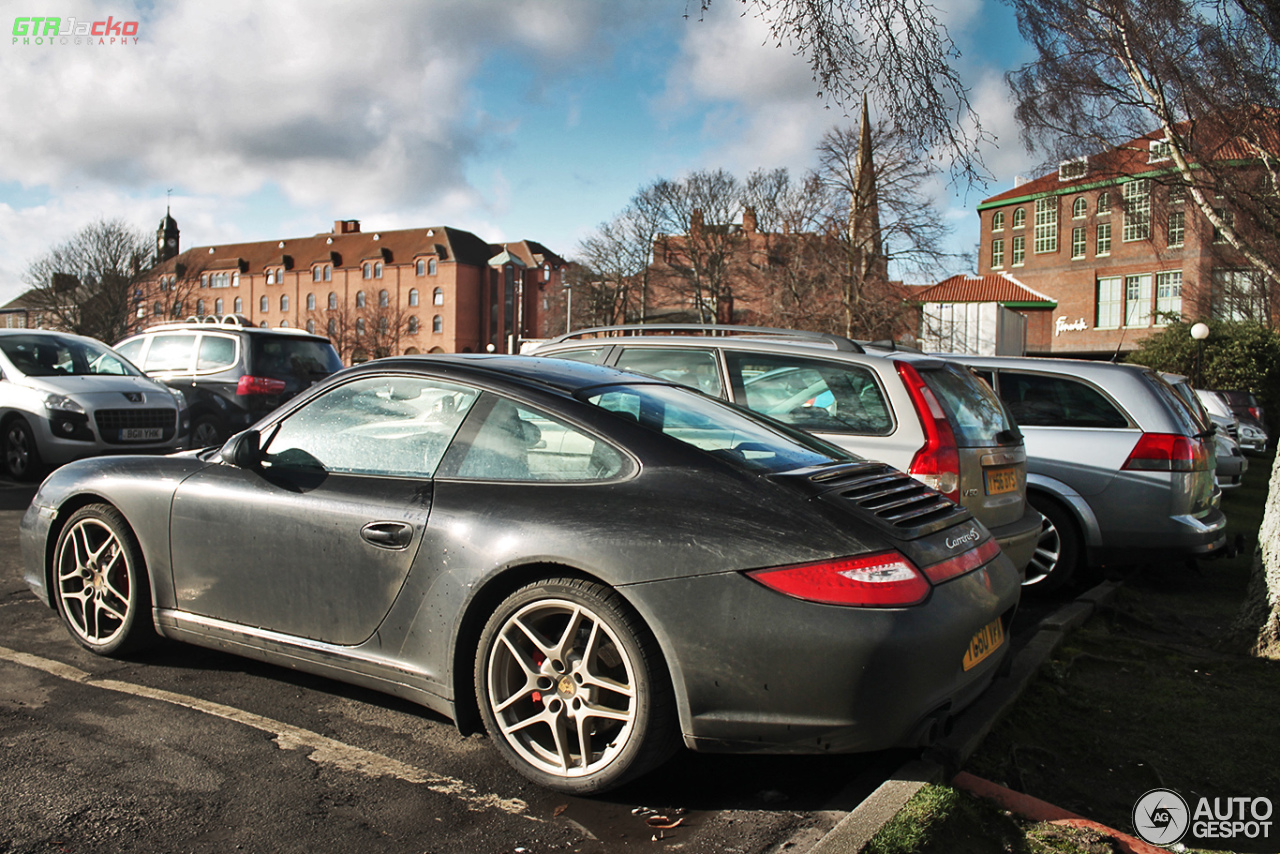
<point x="1116" y="241"/>
<point x="420" y="290"/>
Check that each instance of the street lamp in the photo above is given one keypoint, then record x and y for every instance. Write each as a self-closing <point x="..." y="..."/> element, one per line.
<point x="1200" y="332"/>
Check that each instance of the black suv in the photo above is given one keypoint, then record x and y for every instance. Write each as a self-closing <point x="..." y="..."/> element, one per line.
<point x="231" y="371"/>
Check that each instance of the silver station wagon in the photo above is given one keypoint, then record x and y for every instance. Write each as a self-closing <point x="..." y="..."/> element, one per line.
<point x="1117" y="463"/>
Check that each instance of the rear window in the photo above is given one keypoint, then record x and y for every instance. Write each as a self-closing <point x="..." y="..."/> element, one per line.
<point x="975" y="413"/>
<point x="1189" y="423"/>
<point x="284" y="357"/>
<point x="717" y="428"/>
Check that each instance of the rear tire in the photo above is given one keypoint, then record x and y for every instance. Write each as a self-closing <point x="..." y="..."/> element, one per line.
<point x="207" y="431"/>
<point x="573" y="689"/>
<point x="1058" y="551"/>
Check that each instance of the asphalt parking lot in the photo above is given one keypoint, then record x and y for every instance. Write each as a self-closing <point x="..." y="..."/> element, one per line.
<point x="198" y="751"/>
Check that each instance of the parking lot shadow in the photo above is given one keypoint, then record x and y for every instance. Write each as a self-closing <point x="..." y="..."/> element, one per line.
<point x="15" y="496"/>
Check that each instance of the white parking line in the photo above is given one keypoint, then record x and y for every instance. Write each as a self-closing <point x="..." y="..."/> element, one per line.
<point x="324" y="750"/>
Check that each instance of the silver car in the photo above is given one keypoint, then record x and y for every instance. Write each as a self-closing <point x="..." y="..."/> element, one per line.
<point x="63" y="397"/>
<point x="1116" y="462"/>
<point x="922" y="415"/>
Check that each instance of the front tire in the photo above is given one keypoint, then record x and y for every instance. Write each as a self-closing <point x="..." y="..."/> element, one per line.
<point x="100" y="583"/>
<point x="21" y="457"/>
<point x="573" y="689"/>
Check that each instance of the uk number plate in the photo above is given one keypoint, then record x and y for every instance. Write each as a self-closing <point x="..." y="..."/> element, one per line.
<point x="141" y="434"/>
<point x="1000" y="481"/>
<point x="988" y="639"/>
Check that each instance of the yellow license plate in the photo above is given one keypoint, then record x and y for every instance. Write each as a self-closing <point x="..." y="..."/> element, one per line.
<point x="1000" y="481"/>
<point x="988" y="639"/>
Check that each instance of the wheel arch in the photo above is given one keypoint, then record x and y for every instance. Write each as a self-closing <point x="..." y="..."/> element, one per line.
<point x="1076" y="506"/>
<point x="65" y="511"/>
<point x="466" y="709"/>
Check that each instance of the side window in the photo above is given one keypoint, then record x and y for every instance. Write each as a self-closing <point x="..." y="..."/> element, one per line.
<point x="812" y="394"/>
<point x="171" y="353"/>
<point x="216" y="352"/>
<point x="1037" y="400"/>
<point x="514" y="442"/>
<point x="377" y="426"/>
<point x="694" y="368"/>
<point x="594" y="355"/>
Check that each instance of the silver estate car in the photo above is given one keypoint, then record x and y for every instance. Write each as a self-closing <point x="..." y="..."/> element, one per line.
<point x="1116" y="462"/>
<point x="922" y="415"/>
<point x="63" y="397"/>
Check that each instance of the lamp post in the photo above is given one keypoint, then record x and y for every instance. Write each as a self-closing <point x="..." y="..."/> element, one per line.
<point x="568" y="307"/>
<point x="1200" y="332"/>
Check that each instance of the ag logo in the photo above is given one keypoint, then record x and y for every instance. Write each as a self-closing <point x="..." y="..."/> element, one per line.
<point x="1161" y="817"/>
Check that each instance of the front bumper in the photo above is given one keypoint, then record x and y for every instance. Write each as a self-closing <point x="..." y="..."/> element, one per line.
<point x="756" y="671"/>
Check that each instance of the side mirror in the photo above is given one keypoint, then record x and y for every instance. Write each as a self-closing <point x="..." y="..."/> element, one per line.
<point x="243" y="450"/>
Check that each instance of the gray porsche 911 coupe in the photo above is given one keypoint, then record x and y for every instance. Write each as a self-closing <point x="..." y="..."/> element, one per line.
<point x="593" y="565"/>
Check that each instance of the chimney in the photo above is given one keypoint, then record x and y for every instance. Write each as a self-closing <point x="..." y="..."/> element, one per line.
<point x="695" y="221"/>
<point x="346" y="226"/>
<point x="749" y="220"/>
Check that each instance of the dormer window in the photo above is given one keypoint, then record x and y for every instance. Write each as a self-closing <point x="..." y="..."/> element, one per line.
<point x="1161" y="149"/>
<point x="1070" y="170"/>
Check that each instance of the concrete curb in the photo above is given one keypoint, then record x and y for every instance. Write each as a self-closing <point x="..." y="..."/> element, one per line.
<point x="944" y="759"/>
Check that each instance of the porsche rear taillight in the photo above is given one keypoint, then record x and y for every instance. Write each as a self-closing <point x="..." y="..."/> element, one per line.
<point x="1167" y="452"/>
<point x="883" y="580"/>
<point x="937" y="463"/>
<point x="259" y="385"/>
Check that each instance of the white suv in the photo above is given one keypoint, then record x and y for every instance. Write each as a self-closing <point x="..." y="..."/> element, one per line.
<point x="63" y="397"/>
<point x="924" y="415"/>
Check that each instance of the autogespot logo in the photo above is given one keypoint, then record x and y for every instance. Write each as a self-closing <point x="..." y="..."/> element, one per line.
<point x="68" y="31"/>
<point x="1161" y="817"/>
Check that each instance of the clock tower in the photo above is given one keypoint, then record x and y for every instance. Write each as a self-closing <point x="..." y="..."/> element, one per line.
<point x="166" y="238"/>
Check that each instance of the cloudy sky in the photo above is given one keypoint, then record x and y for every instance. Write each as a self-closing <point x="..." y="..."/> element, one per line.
<point x="514" y="119"/>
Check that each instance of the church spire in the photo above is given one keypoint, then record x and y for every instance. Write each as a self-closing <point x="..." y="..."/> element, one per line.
<point x="167" y="237"/>
<point x="864" y="209"/>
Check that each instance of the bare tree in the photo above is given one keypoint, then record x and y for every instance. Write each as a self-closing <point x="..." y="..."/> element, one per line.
<point x="92" y="283"/>
<point x="895" y="51"/>
<point x="1204" y="73"/>
<point x="695" y="251"/>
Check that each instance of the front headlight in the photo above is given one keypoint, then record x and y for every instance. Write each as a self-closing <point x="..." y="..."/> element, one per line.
<point x="179" y="398"/>
<point x="62" y="403"/>
<point x="1250" y="432"/>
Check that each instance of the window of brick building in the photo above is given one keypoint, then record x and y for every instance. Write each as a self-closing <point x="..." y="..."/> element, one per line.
<point x="1046" y="231"/>
<point x="1104" y="239"/>
<point x="1110" y="302"/>
<point x="1168" y="295"/>
<point x="997" y="254"/>
<point x="1077" y="242"/>
<point x="1137" y="210"/>
<point x="1019" y="250"/>
<point x="1177" y="230"/>
<point x="1019" y="217"/>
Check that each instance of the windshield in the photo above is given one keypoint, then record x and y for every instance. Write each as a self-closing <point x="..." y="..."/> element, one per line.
<point x="718" y="428"/>
<point x="58" y="356"/>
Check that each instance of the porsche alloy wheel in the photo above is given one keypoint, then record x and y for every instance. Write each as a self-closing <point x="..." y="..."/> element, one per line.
<point x="101" y="586"/>
<point x="572" y="687"/>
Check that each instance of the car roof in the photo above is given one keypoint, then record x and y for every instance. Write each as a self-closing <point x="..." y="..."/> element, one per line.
<point x="560" y="375"/>
<point x="230" y="323"/>
<point x="756" y="339"/>
<point x="1050" y="364"/>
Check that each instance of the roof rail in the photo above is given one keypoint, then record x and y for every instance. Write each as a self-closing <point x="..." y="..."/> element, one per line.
<point x="238" y="320"/>
<point x="839" y="342"/>
<point x="890" y="344"/>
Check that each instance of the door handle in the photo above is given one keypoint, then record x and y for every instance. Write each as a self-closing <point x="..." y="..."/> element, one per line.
<point x="387" y="535"/>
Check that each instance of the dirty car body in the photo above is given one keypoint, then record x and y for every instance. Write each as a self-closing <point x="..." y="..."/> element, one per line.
<point x="594" y="565"/>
